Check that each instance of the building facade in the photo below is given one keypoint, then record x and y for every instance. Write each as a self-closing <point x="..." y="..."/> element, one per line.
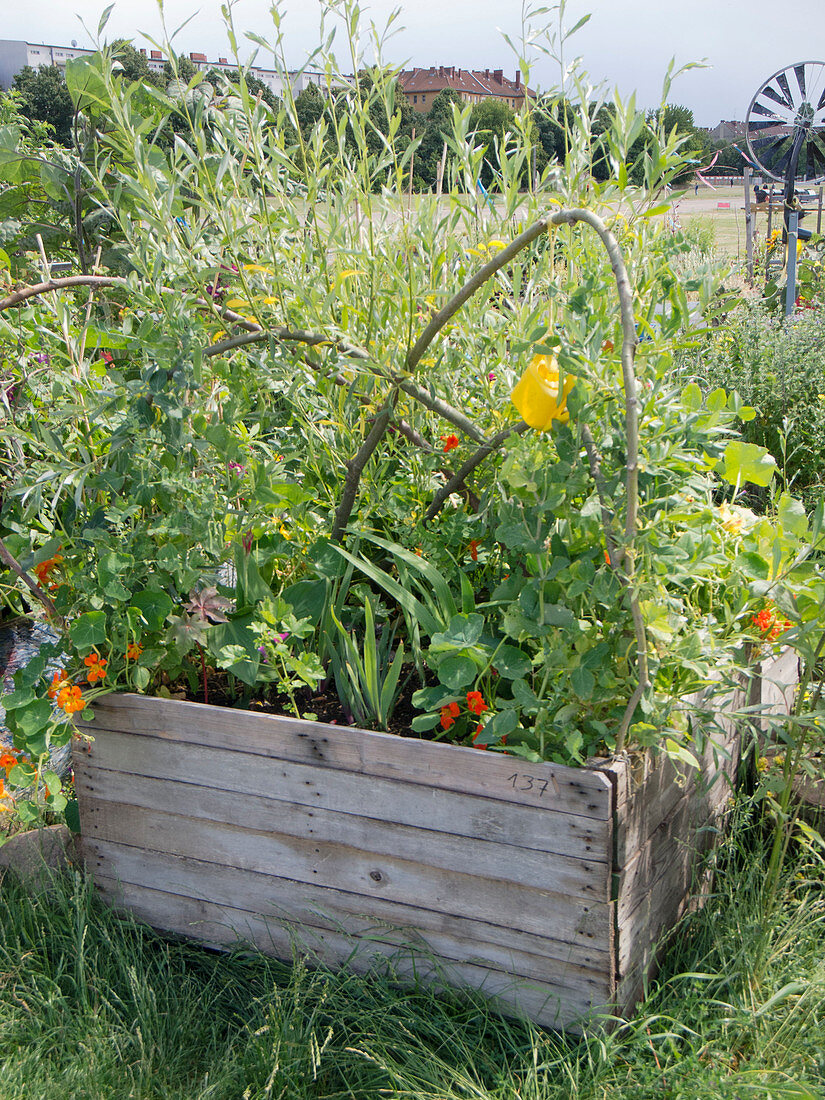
<point x="15" y="56"/>
<point x="421" y="86"/>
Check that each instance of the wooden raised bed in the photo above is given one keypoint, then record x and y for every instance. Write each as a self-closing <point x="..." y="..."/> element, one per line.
<point x="544" y="886"/>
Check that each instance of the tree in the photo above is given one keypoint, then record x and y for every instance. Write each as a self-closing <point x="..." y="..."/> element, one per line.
<point x="437" y="128"/>
<point x="133" y="64"/>
<point x="310" y="105"/>
<point x="44" y="97"/>
<point x="490" y="120"/>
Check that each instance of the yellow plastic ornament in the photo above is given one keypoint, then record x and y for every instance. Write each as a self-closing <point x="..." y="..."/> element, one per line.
<point x="539" y="394"/>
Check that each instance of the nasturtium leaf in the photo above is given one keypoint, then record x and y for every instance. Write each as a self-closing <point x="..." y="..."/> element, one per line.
<point x="154" y="605"/>
<point x="747" y="462"/>
<point x="88" y="630"/>
<point x="21" y="775"/>
<point x="511" y="663"/>
<point x="457" y="672"/>
<point x="464" y="631"/>
<point x="422" y="723"/>
<point x="692" y="397"/>
<point x="18" y="698"/>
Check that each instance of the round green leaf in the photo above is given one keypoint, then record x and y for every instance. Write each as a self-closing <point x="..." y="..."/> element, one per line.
<point x="511" y="662"/>
<point x="457" y="672"/>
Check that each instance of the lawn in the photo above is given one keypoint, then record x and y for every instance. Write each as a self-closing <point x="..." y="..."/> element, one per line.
<point x="93" y="1005"/>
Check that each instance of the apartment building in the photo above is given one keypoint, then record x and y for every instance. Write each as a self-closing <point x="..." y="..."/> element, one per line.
<point x="15" y="55"/>
<point x="421" y="86"/>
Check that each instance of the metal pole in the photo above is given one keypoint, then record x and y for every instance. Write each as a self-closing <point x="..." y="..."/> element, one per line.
<point x="770" y="213"/>
<point x="748" y="225"/>
<point x="790" y="289"/>
<point x="819" y="213"/>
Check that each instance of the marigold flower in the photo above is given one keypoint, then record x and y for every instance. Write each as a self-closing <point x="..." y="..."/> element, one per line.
<point x="475" y="702"/>
<point x="133" y="651"/>
<point x="450" y="442"/>
<point x="541" y="393"/>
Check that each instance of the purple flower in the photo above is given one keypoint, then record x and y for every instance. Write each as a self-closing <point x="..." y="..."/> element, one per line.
<point x="42" y="358"/>
<point x="236" y="468"/>
<point x="282" y="637"/>
<point x="262" y="651"/>
<point x="491" y="377"/>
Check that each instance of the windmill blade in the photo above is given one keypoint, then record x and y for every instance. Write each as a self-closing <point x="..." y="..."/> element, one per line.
<point x="787" y="114"/>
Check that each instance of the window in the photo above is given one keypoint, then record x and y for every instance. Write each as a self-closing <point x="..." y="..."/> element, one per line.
<point x="415" y="99"/>
<point x="423" y="99"/>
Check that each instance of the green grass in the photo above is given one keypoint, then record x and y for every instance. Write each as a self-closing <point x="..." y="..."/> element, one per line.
<point x="94" y="1005"/>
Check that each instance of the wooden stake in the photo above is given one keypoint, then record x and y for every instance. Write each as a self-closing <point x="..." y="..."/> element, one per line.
<point x="441" y="167"/>
<point x="819" y="213"/>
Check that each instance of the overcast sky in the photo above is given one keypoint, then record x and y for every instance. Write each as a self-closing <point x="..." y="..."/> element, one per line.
<point x="627" y="43"/>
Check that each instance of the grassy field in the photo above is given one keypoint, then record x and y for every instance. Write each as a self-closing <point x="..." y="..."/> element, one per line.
<point x="728" y="224"/>
<point x="93" y="1005"/>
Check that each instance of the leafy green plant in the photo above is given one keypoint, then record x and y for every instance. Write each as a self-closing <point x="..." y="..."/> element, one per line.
<point x="367" y="679"/>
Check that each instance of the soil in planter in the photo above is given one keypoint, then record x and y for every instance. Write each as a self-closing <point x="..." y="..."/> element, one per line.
<point x="322" y="706"/>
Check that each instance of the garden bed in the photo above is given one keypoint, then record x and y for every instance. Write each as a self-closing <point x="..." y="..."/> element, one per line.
<point x="546" y="886"/>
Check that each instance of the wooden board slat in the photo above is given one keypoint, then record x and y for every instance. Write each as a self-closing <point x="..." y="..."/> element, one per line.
<point x="263" y="895"/>
<point x="340" y="908"/>
<point x="489" y="858"/>
<point x="369" y="874"/>
<point x="574" y="790"/>
<point x="223" y="925"/>
<point x="411" y="804"/>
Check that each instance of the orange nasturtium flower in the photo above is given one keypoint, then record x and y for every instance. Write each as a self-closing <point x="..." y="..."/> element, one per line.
<point x="475" y="702"/>
<point x="474" y="545"/>
<point x="43" y="570"/>
<point x="449" y="713"/>
<point x="71" y="699"/>
<point x="7" y="761"/>
<point x="133" y="651"/>
<point x="540" y="395"/>
<point x="96" y="666"/>
<point x="450" y="442"/>
<point x="59" y="681"/>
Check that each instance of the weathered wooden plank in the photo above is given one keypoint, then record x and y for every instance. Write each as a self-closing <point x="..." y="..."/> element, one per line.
<point x="778" y="679"/>
<point x="488" y="858"/>
<point x="574" y="790"/>
<point x="262" y="894"/>
<point x="657" y="910"/>
<point x="326" y="906"/>
<point x="349" y="792"/>
<point x="359" y="872"/>
<point x="643" y="807"/>
<point x="223" y="925"/>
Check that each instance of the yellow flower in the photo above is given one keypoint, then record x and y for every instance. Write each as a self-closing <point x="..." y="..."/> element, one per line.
<point x="729" y="520"/>
<point x="541" y="393"/>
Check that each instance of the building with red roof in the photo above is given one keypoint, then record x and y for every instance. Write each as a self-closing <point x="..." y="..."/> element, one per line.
<point x="421" y="86"/>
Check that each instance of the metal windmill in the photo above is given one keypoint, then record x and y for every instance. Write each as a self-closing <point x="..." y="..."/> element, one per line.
<point x="786" y="138"/>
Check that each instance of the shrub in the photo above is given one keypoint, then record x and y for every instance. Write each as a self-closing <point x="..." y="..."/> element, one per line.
<point x="777" y="367"/>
